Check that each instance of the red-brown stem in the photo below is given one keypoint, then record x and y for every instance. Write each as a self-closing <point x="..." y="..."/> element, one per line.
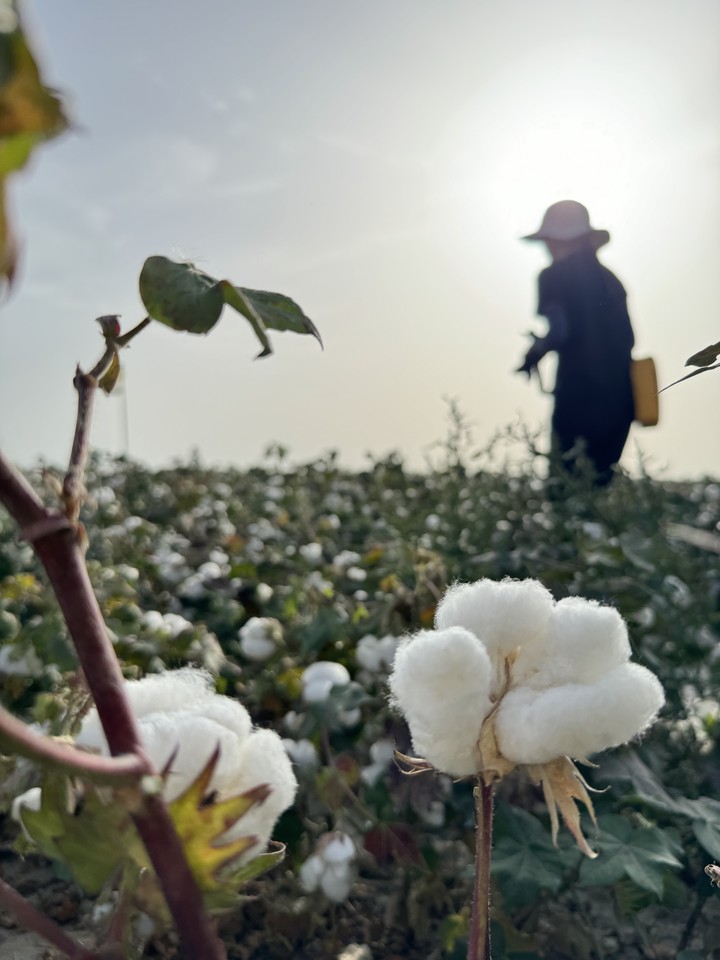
<point x="61" y="555"/>
<point x="479" y="944"/>
<point x="32" y="919"/>
<point x="60" y="754"/>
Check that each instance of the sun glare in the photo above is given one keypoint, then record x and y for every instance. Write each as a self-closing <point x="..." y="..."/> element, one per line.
<point x="505" y="159"/>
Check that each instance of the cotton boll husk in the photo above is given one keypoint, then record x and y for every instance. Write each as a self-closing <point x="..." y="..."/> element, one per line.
<point x="576" y="720"/>
<point x="441" y="683"/>
<point x="584" y="640"/>
<point x="505" y="615"/>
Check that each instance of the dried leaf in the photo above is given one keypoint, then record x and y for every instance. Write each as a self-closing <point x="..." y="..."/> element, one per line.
<point x="562" y="785"/>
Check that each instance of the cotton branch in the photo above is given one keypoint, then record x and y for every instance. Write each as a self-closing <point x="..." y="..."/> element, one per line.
<point x="57" y="543"/>
<point x="32" y="919"/>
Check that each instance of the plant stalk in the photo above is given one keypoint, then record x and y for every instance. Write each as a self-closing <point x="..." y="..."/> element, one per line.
<point x="57" y="545"/>
<point x="479" y="943"/>
<point x="32" y="919"/>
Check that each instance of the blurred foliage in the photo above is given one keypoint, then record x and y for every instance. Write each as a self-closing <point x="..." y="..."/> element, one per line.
<point x="182" y="558"/>
<point x="30" y="113"/>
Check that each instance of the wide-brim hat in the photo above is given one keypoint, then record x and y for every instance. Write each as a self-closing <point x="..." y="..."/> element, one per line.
<point x="568" y="220"/>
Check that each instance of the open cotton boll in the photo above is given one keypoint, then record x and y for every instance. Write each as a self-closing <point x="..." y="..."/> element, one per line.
<point x="165" y="691"/>
<point x="319" y="679"/>
<point x="441" y="683"/>
<point x="584" y="640"/>
<point x="261" y="759"/>
<point x="577" y="720"/>
<point x="504" y="615"/>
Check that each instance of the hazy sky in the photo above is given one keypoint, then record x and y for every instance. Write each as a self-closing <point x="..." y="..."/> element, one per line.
<point x="376" y="161"/>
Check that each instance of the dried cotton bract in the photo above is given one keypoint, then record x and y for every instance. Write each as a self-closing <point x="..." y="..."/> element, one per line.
<point x="508" y="676"/>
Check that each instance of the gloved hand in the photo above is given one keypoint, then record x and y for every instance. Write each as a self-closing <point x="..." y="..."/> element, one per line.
<point x="532" y="358"/>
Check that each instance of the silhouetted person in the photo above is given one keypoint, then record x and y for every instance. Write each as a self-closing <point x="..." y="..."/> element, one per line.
<point x="585" y="306"/>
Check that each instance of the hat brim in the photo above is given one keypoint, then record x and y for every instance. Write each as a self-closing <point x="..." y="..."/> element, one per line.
<point x="598" y="237"/>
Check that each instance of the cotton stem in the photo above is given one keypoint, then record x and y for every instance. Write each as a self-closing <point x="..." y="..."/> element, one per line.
<point x="58" y="548"/>
<point x="479" y="944"/>
<point x="32" y="919"/>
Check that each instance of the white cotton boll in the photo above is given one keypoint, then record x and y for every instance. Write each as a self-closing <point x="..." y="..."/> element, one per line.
<point x="261" y="759"/>
<point x="319" y="679"/>
<point x="302" y="753"/>
<point x="311" y="873"/>
<point x="441" y="683"/>
<point x="312" y="552"/>
<point x="156" y="693"/>
<point x="337" y="881"/>
<point x="152" y="620"/>
<point x="259" y="638"/>
<point x="504" y="615"/>
<point x="577" y="720"/>
<point x="340" y="849"/>
<point x="584" y="640"/>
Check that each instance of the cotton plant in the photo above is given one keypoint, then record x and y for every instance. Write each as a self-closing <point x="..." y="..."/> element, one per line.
<point x="510" y="678"/>
<point x="225" y="781"/>
<point x="330" y="869"/>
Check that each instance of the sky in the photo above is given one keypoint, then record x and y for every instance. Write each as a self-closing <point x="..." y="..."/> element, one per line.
<point x="377" y="162"/>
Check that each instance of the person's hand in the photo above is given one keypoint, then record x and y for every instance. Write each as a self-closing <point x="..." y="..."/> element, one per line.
<point x="532" y="358"/>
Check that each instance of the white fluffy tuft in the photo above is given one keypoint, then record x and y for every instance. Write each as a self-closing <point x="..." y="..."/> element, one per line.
<point x="504" y="615"/>
<point x="441" y="683"/>
<point x="583" y="642"/>
<point x="576" y="720"/>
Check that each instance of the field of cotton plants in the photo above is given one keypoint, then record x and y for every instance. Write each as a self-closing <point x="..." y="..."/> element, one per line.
<point x="292" y="587"/>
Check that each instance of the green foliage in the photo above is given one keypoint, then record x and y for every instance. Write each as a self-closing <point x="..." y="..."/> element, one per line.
<point x="182" y="558"/>
<point x="642" y="854"/>
<point x="524" y="858"/>
<point x="30" y="113"/>
<point x="185" y="298"/>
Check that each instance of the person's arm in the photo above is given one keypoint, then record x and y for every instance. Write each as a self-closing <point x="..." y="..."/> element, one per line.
<point x="557" y="334"/>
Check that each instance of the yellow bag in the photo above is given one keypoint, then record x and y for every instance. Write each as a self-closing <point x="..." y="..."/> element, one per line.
<point x="645" y="391"/>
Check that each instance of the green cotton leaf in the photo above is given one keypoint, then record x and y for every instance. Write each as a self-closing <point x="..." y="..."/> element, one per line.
<point x="642" y="854"/>
<point x="708" y="836"/>
<point x="185" y="298"/>
<point x="180" y="296"/>
<point x="234" y="297"/>
<point x="524" y="858"/>
<point x="279" y="312"/>
<point x="704" y="357"/>
<point x="88" y="833"/>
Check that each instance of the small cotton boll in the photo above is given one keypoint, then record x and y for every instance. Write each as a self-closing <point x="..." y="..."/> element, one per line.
<point x="259" y="637"/>
<point x="302" y="753"/>
<point x="310" y="873"/>
<point x="577" y="720"/>
<point x="337" y="881"/>
<point x="312" y="552"/>
<point x="319" y="679"/>
<point x="584" y="640"/>
<point x="340" y="849"/>
<point x="505" y="615"/>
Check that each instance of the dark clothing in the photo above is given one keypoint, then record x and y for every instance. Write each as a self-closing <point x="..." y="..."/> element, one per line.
<point x="585" y="305"/>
